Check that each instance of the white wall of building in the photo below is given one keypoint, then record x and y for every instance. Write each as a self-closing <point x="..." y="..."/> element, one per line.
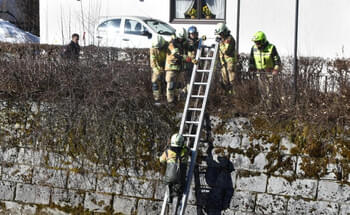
<point x="324" y="28"/>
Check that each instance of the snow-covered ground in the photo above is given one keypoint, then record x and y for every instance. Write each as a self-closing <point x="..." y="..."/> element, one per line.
<point x="12" y="34"/>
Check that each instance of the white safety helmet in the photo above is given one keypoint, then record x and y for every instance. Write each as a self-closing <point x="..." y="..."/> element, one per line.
<point x="177" y="140"/>
<point x="181" y="34"/>
<point x="220" y="27"/>
<point x="158" y="42"/>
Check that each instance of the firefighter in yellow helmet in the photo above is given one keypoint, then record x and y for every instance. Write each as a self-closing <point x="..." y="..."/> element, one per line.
<point x="263" y="55"/>
<point x="157" y="61"/>
<point x="266" y="63"/>
<point x="176" y="56"/>
<point x="227" y="56"/>
<point x="176" y="158"/>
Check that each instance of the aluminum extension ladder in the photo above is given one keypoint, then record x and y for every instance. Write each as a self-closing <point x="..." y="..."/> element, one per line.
<point x="192" y="118"/>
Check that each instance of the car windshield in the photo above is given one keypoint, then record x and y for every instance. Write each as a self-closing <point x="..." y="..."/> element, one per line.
<point x="160" y="27"/>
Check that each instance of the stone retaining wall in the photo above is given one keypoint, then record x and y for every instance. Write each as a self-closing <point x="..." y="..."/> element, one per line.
<point x="44" y="182"/>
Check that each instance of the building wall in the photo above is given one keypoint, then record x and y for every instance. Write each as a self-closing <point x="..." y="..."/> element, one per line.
<point x="323" y="24"/>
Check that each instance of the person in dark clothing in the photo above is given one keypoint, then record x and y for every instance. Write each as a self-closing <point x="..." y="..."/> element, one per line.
<point x="72" y="50"/>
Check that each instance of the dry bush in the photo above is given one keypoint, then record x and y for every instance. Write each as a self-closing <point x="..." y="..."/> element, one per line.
<point x="102" y="107"/>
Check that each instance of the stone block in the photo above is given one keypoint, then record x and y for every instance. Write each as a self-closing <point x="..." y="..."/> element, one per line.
<point x="241" y="161"/>
<point x="228" y="212"/>
<point x="146" y="207"/>
<point x="97" y="202"/>
<point x="25" y="156"/>
<point x="243" y="201"/>
<point x="124" y="205"/>
<point x="58" y="160"/>
<point x="10" y="155"/>
<point x="286" y="166"/>
<point x="255" y="182"/>
<point x="14" y="208"/>
<point x="138" y="188"/>
<point x="244" y="213"/>
<point x="64" y="197"/>
<point x="36" y="194"/>
<point x="246" y="141"/>
<point x="190" y="210"/>
<point x="85" y="181"/>
<point x="300" y="187"/>
<point x="344" y="209"/>
<point x="333" y="191"/>
<point x="7" y="190"/>
<point x="227" y="140"/>
<point x="300" y="206"/>
<point x="52" y="211"/>
<point x="286" y="145"/>
<point x="331" y="171"/>
<point x="270" y="204"/>
<point x="40" y="158"/>
<point x="17" y="173"/>
<point x="108" y="184"/>
<point x="50" y="177"/>
<point x="160" y="190"/>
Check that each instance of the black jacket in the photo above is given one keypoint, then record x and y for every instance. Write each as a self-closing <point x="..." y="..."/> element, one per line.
<point x="71" y="52"/>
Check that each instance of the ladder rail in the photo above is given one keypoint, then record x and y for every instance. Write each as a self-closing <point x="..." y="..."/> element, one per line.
<point x="194" y="114"/>
<point x="184" y="116"/>
<point x="196" y="118"/>
<point x="199" y="128"/>
<point x="198" y="54"/>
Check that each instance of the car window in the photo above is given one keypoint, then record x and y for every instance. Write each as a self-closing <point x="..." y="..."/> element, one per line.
<point x="160" y="27"/>
<point x="112" y="25"/>
<point x="133" y="27"/>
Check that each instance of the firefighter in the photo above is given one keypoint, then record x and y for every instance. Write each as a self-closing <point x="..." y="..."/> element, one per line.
<point x="193" y="42"/>
<point x="266" y="63"/>
<point x="264" y="56"/>
<point x="176" y="55"/>
<point x="176" y="157"/>
<point x="157" y="62"/>
<point x="227" y="57"/>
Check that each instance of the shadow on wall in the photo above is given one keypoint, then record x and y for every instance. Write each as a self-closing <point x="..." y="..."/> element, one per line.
<point x="216" y="196"/>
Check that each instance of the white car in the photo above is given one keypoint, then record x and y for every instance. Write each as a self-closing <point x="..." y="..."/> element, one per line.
<point x="10" y="33"/>
<point x="131" y="31"/>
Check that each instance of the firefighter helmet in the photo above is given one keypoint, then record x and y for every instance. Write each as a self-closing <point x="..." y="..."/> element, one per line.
<point x="177" y="140"/>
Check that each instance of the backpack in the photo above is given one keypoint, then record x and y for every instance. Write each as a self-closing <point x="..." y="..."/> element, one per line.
<point x="172" y="172"/>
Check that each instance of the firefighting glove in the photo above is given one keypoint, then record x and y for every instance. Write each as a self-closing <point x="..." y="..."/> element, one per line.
<point x="194" y="61"/>
<point x="204" y="37"/>
<point x="218" y="39"/>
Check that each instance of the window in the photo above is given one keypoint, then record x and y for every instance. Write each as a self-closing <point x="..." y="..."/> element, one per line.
<point x="133" y="27"/>
<point x="112" y="25"/>
<point x="198" y="10"/>
<point x="161" y="28"/>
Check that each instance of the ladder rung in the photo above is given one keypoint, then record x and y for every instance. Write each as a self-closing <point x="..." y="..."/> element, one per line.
<point x="192" y="122"/>
<point x="189" y="135"/>
<point x="195" y="109"/>
<point x="203" y="70"/>
<point x="197" y="96"/>
<point x="200" y="83"/>
<point x="206" y="58"/>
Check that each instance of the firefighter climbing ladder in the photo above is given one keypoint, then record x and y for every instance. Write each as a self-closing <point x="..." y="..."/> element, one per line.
<point x="192" y="118"/>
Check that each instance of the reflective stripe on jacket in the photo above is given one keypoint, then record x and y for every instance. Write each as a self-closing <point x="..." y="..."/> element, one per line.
<point x="265" y="59"/>
<point x="175" y="55"/>
<point x="171" y="158"/>
<point x="157" y="58"/>
<point x="227" y="50"/>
